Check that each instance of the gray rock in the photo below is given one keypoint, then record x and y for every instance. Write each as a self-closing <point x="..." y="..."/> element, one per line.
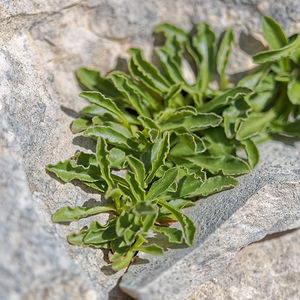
<point x="33" y="265"/>
<point x="265" y="270"/>
<point x="41" y="44"/>
<point x="266" y="201"/>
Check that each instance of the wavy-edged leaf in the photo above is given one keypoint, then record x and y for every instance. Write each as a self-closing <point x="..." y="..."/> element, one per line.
<point x="159" y="153"/>
<point x="276" y="54"/>
<point x="101" y="235"/>
<point x="121" y="262"/>
<point x="151" y="249"/>
<point x="294" y="91"/>
<point x="217" y="143"/>
<point x="104" y="102"/>
<point x="187" y="224"/>
<point x="148" y="98"/>
<point x="112" y="136"/>
<point x="175" y="49"/>
<point x="273" y="33"/>
<point x="147" y="72"/>
<point x="215" y="184"/>
<point x="225" y="98"/>
<point x="174" y="235"/>
<point x="193" y="122"/>
<point x="117" y="158"/>
<point x="138" y="169"/>
<point x="195" y="143"/>
<point x="161" y="185"/>
<point x="233" y="114"/>
<point x="185" y="187"/>
<point x="69" y="214"/>
<point x="171" y="68"/>
<point x="104" y="163"/>
<point x="152" y="128"/>
<point x="227" y="164"/>
<point x="190" y="168"/>
<point x="67" y="172"/>
<point x="254" y="124"/>
<point x="251" y="151"/>
<point x="124" y="221"/>
<point x="174" y="97"/>
<point x="204" y="43"/>
<point x="291" y="128"/>
<point x="80" y="124"/>
<point x="77" y="238"/>
<point x="170" y="30"/>
<point x="223" y="55"/>
<point x="123" y="86"/>
<point x="93" y="81"/>
<point x="135" y="186"/>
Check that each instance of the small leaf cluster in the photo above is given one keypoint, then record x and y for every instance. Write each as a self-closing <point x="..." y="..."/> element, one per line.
<point x="177" y="141"/>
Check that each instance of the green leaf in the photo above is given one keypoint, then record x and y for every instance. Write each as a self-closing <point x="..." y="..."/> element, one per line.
<point x="159" y="153"/>
<point x="294" y="91"/>
<point x="117" y="158"/>
<point x="223" y="55"/>
<point x="233" y="114"/>
<point x="252" y="80"/>
<point x="101" y="235"/>
<point x="161" y="185"/>
<point x="254" y="124"/>
<point x="135" y="186"/>
<point x="172" y="69"/>
<point x="225" y="98"/>
<point x="273" y="33"/>
<point x="123" y="86"/>
<point x="190" y="168"/>
<point x="69" y="214"/>
<point x="112" y="136"/>
<point x="175" y="49"/>
<point x="93" y="81"/>
<point x="205" y="45"/>
<point x="138" y="169"/>
<point x="66" y="172"/>
<point x="291" y="128"/>
<point x="215" y="184"/>
<point x="152" y="128"/>
<point x="151" y="249"/>
<point x="227" y="164"/>
<point x="193" y="122"/>
<point x="186" y="186"/>
<point x="121" y="262"/>
<point x="195" y="143"/>
<point x="80" y="124"/>
<point x="104" y="102"/>
<point x="146" y="72"/>
<point x="170" y="30"/>
<point x="174" y="235"/>
<point x="251" y="151"/>
<point x="103" y="161"/>
<point x="187" y="224"/>
<point x="217" y="143"/>
<point x="124" y="221"/>
<point x="273" y="55"/>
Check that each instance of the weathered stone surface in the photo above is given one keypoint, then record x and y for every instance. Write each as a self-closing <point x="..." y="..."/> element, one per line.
<point x="266" y="201"/>
<point x="266" y="270"/>
<point x="41" y="44"/>
<point x="33" y="265"/>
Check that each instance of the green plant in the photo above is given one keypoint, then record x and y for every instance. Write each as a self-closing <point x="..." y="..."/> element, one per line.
<point x="177" y="141"/>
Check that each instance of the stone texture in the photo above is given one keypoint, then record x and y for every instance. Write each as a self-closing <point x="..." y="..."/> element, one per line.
<point x="266" y="201"/>
<point x="32" y="265"/>
<point x="41" y="44"/>
<point x="265" y="270"/>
